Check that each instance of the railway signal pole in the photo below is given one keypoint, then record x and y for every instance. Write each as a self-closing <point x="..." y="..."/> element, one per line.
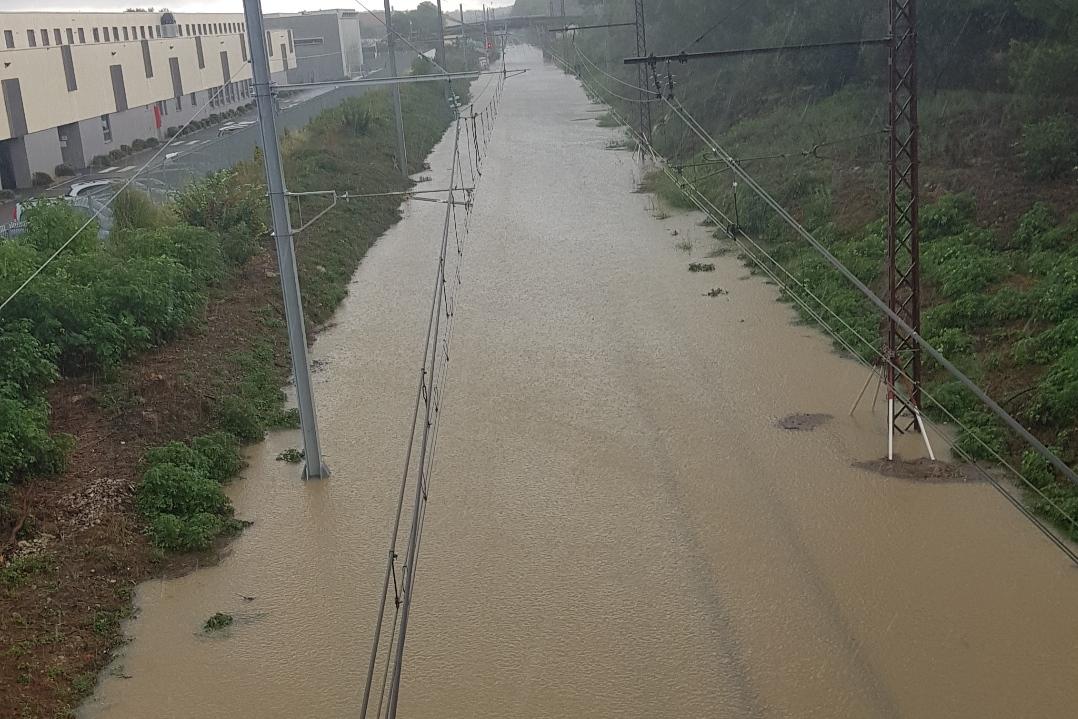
<point x="282" y="234"/>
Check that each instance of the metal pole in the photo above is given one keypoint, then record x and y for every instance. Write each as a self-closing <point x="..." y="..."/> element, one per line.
<point x="398" y="115"/>
<point x="903" y="223"/>
<point x="314" y="468"/>
<point x="441" y="38"/>
<point x="463" y="45"/>
<point x="642" y="72"/>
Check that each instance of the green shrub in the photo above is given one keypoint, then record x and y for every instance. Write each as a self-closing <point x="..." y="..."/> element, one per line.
<point x="134" y="210"/>
<point x="983" y="426"/>
<point x="197" y="249"/>
<point x="25" y="444"/>
<point x="51" y="223"/>
<point x="151" y="142"/>
<point x="239" y="417"/>
<point x="1050" y="147"/>
<point x="26" y="364"/>
<point x="952" y="342"/>
<point x="1046" y="347"/>
<point x="115" y="155"/>
<point x="951" y="215"/>
<point x="223" y="460"/>
<point x="99" y="162"/>
<point x="138" y="144"/>
<point x="179" y="455"/>
<point x="1040" y="219"/>
<point x="1056" y="398"/>
<point x="1060" y="504"/>
<point x="7" y="195"/>
<point x="235" y="210"/>
<point x="1036" y="469"/>
<point x="958" y="267"/>
<point x="182" y="491"/>
<point x="1057" y="294"/>
<point x="64" y="170"/>
<point x="41" y="179"/>
<point x="193" y="533"/>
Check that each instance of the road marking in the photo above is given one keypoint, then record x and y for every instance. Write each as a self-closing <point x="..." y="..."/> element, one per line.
<point x="108" y="169"/>
<point x="127" y="169"/>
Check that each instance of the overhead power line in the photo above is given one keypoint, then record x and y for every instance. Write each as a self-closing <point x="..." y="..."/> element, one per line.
<point x="736" y="234"/>
<point x="108" y="203"/>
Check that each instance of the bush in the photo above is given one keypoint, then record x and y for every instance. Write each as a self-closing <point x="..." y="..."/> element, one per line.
<point x="134" y="210"/>
<point x="41" y="179"/>
<point x="185" y="534"/>
<point x="181" y="491"/>
<point x="1050" y="147"/>
<point x="26" y="364"/>
<point x="115" y="156"/>
<point x="51" y="223"/>
<point x="152" y="142"/>
<point x="125" y="149"/>
<point x="214" y="455"/>
<point x="197" y="249"/>
<point x="6" y="195"/>
<point x="25" y="444"/>
<point x="235" y="210"/>
<point x="138" y="144"/>
<point x="1056" y="399"/>
<point x="223" y="460"/>
<point x="171" y="131"/>
<point x="64" y="170"/>
<point x="99" y="162"/>
<point x="240" y="418"/>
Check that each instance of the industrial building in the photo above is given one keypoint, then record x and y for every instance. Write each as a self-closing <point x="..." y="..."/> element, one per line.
<point x="77" y="85"/>
<point x="329" y="44"/>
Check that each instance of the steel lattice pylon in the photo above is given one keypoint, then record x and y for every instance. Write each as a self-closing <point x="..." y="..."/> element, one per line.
<point x="642" y="72"/>
<point x="903" y="239"/>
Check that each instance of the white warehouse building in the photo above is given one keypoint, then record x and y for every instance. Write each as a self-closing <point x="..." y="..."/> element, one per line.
<point x="77" y="85"/>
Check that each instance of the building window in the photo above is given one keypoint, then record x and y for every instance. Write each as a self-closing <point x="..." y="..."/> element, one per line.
<point x="310" y="41"/>
<point x="44" y="36"/>
<point x="70" y="36"/>
<point x="106" y="128"/>
<point x="82" y="36"/>
<point x="291" y="43"/>
<point x="157" y="30"/>
<point x="187" y="31"/>
<point x="106" y="31"/>
<point x="142" y="32"/>
<point x="31" y="38"/>
<point x="9" y="39"/>
<point x="269" y="43"/>
<point x="194" y="99"/>
<point x="126" y="36"/>
<point x="96" y="34"/>
<point x="57" y="36"/>
<point x="134" y="32"/>
<point x="115" y="33"/>
<point x="179" y="103"/>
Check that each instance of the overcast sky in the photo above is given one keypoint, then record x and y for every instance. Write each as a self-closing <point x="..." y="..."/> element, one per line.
<point x="234" y="5"/>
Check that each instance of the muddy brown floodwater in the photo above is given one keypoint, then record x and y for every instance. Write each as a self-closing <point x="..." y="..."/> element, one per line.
<point x="618" y="526"/>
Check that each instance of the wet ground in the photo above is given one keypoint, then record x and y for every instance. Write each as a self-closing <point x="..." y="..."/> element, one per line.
<point x="618" y="527"/>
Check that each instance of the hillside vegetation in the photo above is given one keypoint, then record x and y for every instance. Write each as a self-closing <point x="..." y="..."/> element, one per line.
<point x="999" y="116"/>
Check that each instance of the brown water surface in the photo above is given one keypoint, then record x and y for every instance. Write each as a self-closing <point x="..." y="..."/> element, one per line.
<point x="618" y="526"/>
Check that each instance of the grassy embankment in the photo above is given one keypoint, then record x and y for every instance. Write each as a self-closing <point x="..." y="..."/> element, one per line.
<point x="132" y="371"/>
<point x="1000" y="253"/>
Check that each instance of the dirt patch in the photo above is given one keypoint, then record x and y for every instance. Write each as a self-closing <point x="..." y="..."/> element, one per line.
<point x="803" y="422"/>
<point x="921" y="470"/>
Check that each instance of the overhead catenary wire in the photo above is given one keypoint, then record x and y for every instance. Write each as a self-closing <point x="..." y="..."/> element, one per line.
<point x="425" y="427"/>
<point x="127" y="183"/>
<point x="737" y="235"/>
<point x="864" y="289"/>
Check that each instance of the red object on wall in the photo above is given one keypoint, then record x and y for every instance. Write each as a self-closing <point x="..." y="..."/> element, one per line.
<point x="157" y="117"/>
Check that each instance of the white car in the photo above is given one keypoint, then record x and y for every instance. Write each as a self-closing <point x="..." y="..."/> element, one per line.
<point x="79" y="188"/>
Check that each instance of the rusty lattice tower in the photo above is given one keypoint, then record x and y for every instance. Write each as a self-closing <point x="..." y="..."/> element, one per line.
<point x="903" y="236"/>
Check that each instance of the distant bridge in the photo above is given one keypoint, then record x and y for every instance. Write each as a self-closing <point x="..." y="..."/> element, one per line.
<point x="453" y="27"/>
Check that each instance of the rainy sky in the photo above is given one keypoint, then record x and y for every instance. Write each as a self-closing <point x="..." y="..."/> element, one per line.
<point x="231" y="5"/>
